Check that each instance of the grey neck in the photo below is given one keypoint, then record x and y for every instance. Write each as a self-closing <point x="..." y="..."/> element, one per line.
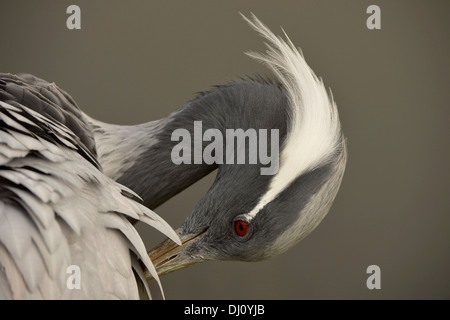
<point x="140" y="156"/>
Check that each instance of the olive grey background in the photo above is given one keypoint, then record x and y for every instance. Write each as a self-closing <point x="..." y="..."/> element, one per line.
<point x="138" y="61"/>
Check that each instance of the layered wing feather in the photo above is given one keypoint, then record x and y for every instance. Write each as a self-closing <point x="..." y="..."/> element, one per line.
<point x="57" y="208"/>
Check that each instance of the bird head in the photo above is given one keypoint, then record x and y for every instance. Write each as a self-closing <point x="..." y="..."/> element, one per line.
<point x="249" y="216"/>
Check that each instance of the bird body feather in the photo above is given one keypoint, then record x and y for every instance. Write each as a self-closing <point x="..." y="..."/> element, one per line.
<point x="57" y="208"/>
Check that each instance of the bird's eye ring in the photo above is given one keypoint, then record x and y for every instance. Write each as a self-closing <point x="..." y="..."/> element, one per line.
<point x="241" y="227"/>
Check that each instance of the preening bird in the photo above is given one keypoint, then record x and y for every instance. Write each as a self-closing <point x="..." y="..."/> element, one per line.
<point x="72" y="186"/>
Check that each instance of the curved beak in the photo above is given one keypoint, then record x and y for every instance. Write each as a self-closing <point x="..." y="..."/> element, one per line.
<point x="169" y="256"/>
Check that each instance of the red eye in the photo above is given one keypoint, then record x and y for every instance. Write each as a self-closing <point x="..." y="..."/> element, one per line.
<point x="241" y="227"/>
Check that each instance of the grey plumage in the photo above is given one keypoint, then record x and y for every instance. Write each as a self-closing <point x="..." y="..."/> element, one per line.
<point x="70" y="183"/>
<point x="57" y="209"/>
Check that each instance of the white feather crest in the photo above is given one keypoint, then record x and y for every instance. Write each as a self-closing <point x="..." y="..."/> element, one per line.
<point x="314" y="130"/>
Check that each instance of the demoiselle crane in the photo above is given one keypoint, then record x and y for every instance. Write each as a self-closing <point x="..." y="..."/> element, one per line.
<point x="71" y="186"/>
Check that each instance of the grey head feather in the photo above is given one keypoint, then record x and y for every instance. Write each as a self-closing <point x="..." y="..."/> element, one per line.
<point x="223" y="204"/>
